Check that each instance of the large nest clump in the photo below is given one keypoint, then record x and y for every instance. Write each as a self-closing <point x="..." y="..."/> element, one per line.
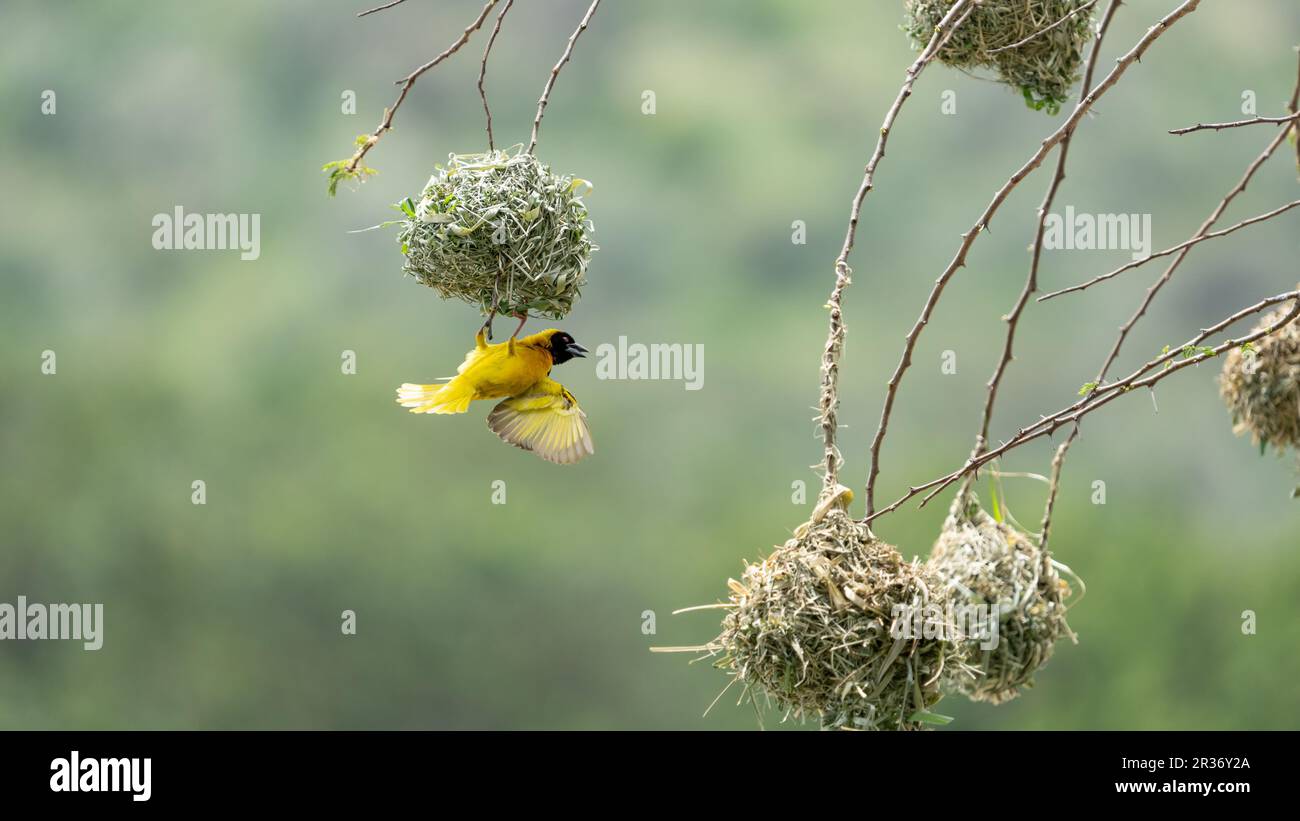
<point x="989" y="564"/>
<point x="1048" y="38"/>
<point x="838" y="626"/>
<point x="502" y="232"/>
<point x="1261" y="385"/>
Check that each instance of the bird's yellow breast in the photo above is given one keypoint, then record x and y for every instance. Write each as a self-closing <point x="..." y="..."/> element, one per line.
<point x="497" y="372"/>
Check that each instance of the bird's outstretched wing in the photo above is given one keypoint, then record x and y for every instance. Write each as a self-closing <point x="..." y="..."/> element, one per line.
<point x="545" y="419"/>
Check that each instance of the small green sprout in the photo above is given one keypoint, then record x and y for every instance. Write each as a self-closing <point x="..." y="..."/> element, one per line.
<point x="340" y="170"/>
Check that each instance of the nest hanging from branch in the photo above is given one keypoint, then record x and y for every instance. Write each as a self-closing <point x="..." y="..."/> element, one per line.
<point x="838" y="626"/>
<point x="1260" y="384"/>
<point x="1044" y="67"/>
<point x="501" y="232"/>
<point x="987" y="563"/>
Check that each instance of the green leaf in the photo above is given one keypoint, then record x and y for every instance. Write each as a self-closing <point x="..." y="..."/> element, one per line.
<point x="1190" y="351"/>
<point x="993" y="498"/>
<point x="384" y="224"/>
<point x="1088" y="387"/>
<point x="338" y="173"/>
<point x="930" y="718"/>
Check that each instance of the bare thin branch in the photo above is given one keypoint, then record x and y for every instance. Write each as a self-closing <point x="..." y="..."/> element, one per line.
<point x="1155" y="289"/>
<point x="406" y="82"/>
<point x="1209" y="223"/>
<point x="1104" y="395"/>
<point x="1082" y="8"/>
<point x="555" y="72"/>
<point x="1031" y="283"/>
<point x="482" y="70"/>
<point x="1174" y="249"/>
<point x="1054" y="489"/>
<point x="968" y="239"/>
<point x="380" y="8"/>
<point x="1290" y="118"/>
<point x="1294" y="108"/>
<point x="829" y="395"/>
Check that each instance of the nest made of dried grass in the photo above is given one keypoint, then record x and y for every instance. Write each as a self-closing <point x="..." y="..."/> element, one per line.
<point x="1260" y="384"/>
<point x="988" y="563"/>
<point x="1024" y="42"/>
<point x="821" y="626"/>
<point x="502" y="232"/>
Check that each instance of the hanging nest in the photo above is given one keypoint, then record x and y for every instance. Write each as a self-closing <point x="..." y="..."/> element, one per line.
<point x="1261" y="386"/>
<point x="502" y="232"/>
<point x="810" y="626"/>
<point x="1044" y="68"/>
<point x="985" y="562"/>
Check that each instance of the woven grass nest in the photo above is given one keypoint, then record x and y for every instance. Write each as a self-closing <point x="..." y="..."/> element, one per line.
<point x="985" y="562"/>
<point x="1043" y="69"/>
<point x="1261" y="386"/>
<point x="501" y="232"/>
<point x="810" y="627"/>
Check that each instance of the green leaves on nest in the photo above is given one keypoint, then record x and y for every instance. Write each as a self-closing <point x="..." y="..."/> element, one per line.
<point x="499" y="229"/>
<point x="1043" y="69"/>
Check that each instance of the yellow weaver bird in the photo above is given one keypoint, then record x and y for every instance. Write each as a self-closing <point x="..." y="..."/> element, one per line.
<point x="539" y="414"/>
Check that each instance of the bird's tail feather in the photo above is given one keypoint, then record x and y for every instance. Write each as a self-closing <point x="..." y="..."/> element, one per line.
<point x="445" y="398"/>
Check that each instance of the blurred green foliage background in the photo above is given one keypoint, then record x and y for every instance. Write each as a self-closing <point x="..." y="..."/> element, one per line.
<point x="322" y="495"/>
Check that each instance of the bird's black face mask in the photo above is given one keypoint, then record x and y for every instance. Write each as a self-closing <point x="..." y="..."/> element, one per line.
<point x="564" y="348"/>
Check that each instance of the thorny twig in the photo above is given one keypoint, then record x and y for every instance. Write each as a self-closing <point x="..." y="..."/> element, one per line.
<point x="829" y="395"/>
<point x="1104" y="395"/>
<point x="1155" y="288"/>
<point x="1168" y="274"/>
<point x="968" y="238"/>
<point x="482" y="71"/>
<point x="407" y="82"/>
<point x="1235" y="124"/>
<point x="380" y="8"/>
<point x="1294" y="107"/>
<point x="1053" y="488"/>
<point x="1166" y="252"/>
<point x="555" y="72"/>
<point x="1031" y="283"/>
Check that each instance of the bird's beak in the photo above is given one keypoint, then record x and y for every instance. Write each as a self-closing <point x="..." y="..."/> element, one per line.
<point x="574" y="349"/>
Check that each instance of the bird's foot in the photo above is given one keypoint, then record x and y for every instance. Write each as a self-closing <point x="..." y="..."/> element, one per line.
<point x="487" y="324"/>
<point x="522" y="319"/>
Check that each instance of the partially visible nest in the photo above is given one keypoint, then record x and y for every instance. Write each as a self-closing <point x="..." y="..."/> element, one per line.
<point x="1044" y="68"/>
<point x="987" y="563"/>
<point x="826" y="627"/>
<point x="1261" y="385"/>
<point x="502" y="232"/>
